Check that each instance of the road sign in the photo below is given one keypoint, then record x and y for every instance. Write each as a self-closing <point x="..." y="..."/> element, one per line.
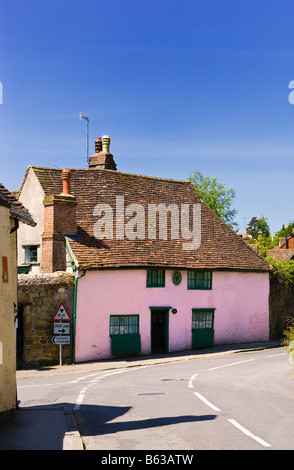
<point x="61" y="328"/>
<point x="64" y="339"/>
<point x="61" y="314"/>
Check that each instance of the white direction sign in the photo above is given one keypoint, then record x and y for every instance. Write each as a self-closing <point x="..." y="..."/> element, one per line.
<point x="61" y="314"/>
<point x="61" y="328"/>
<point x="60" y="339"/>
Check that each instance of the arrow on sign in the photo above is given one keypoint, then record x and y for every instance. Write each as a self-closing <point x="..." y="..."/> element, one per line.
<point x="60" y="339"/>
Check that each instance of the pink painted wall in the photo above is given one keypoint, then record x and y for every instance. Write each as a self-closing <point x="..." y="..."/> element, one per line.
<point x="240" y="301"/>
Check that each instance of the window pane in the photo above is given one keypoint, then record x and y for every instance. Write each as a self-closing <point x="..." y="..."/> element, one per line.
<point x="123" y="325"/>
<point x="207" y="280"/>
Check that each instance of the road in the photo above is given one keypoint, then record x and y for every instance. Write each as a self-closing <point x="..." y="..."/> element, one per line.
<point x="233" y="402"/>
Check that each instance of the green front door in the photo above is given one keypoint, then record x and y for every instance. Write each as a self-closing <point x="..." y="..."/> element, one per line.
<point x="202" y="328"/>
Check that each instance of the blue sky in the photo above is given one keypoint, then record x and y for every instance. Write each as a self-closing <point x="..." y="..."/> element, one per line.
<point x="178" y="85"/>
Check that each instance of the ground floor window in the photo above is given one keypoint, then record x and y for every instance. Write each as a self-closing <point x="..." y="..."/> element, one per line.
<point x="202" y="327"/>
<point x="124" y="324"/>
<point x="124" y="333"/>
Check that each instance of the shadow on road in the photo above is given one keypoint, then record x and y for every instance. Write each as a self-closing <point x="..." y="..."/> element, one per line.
<point x="96" y="420"/>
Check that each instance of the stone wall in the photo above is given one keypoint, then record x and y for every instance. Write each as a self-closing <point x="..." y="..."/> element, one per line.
<point x="281" y="302"/>
<point x="39" y="296"/>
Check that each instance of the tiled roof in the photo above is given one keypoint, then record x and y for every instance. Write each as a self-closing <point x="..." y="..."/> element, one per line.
<point x="277" y="253"/>
<point x="17" y="210"/>
<point x="220" y="247"/>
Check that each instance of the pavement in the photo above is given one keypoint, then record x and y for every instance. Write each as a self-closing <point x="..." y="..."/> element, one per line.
<point x="53" y="427"/>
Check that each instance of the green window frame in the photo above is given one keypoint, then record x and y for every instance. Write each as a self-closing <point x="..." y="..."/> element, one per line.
<point x="155" y="277"/>
<point x="123" y="325"/>
<point x="202" y="319"/>
<point x="199" y="280"/>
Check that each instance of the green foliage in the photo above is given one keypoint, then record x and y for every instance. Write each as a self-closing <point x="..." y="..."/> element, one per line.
<point x="264" y="244"/>
<point x="256" y="224"/>
<point x="283" y="271"/>
<point x="217" y="196"/>
<point x="289" y="335"/>
<point x="265" y="241"/>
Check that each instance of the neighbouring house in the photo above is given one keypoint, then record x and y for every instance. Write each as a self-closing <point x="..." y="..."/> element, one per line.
<point x="11" y="213"/>
<point x="155" y="269"/>
<point x="285" y="250"/>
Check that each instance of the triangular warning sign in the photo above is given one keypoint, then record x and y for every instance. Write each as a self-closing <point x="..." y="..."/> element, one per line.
<point x="61" y="314"/>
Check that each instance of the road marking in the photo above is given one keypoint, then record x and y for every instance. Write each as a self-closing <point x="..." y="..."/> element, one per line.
<point x="190" y="383"/>
<point x="82" y="393"/>
<point x="274" y="355"/>
<point x="215" y="408"/>
<point x="248" y="433"/>
<point x="231" y="364"/>
<point x="42" y="385"/>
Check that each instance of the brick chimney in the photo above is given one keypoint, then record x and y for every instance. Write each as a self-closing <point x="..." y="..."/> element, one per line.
<point x="59" y="220"/>
<point x="102" y="158"/>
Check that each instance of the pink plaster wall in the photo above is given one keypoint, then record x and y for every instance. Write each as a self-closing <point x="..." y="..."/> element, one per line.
<point x="240" y="301"/>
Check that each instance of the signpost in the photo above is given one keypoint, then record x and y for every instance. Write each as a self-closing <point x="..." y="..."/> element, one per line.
<point x="61" y="329"/>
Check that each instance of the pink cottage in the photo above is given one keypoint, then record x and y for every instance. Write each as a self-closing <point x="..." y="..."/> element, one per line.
<point x="156" y="270"/>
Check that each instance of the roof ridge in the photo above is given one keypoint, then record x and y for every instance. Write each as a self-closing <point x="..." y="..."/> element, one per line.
<point x="112" y="171"/>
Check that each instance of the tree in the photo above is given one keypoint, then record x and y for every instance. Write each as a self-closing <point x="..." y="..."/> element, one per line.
<point x="217" y="196"/>
<point x="256" y="224"/>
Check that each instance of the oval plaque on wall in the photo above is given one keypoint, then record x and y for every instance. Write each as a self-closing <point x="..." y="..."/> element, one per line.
<point x="177" y="277"/>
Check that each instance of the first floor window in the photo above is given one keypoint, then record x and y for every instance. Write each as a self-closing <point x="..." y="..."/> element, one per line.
<point x="124" y="325"/>
<point x="199" y="279"/>
<point x="155" y="277"/>
<point x="31" y="254"/>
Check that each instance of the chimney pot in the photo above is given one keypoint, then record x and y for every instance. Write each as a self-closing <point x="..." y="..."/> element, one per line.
<point x="98" y="145"/>
<point x="65" y="175"/>
<point x="106" y="143"/>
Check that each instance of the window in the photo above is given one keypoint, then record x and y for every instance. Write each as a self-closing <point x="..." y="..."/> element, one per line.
<point x="155" y="278"/>
<point x="199" y="279"/>
<point x="123" y="325"/>
<point x="31" y="254"/>
<point x="202" y="319"/>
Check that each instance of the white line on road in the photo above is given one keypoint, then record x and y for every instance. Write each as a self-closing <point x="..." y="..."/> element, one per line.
<point x="231" y="364"/>
<point x="82" y="393"/>
<point x="206" y="401"/>
<point x="190" y="383"/>
<point x="41" y="385"/>
<point x="248" y="433"/>
<point x="274" y="355"/>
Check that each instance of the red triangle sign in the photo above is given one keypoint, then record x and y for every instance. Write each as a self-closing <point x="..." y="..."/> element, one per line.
<point x="61" y="314"/>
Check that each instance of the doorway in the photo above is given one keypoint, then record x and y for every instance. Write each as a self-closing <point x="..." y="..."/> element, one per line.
<point x="159" y="330"/>
<point x="20" y="339"/>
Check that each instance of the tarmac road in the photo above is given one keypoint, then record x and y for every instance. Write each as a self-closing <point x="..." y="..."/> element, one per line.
<point x="52" y="425"/>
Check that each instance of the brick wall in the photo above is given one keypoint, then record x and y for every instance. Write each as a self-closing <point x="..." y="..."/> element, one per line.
<point x="39" y="296"/>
